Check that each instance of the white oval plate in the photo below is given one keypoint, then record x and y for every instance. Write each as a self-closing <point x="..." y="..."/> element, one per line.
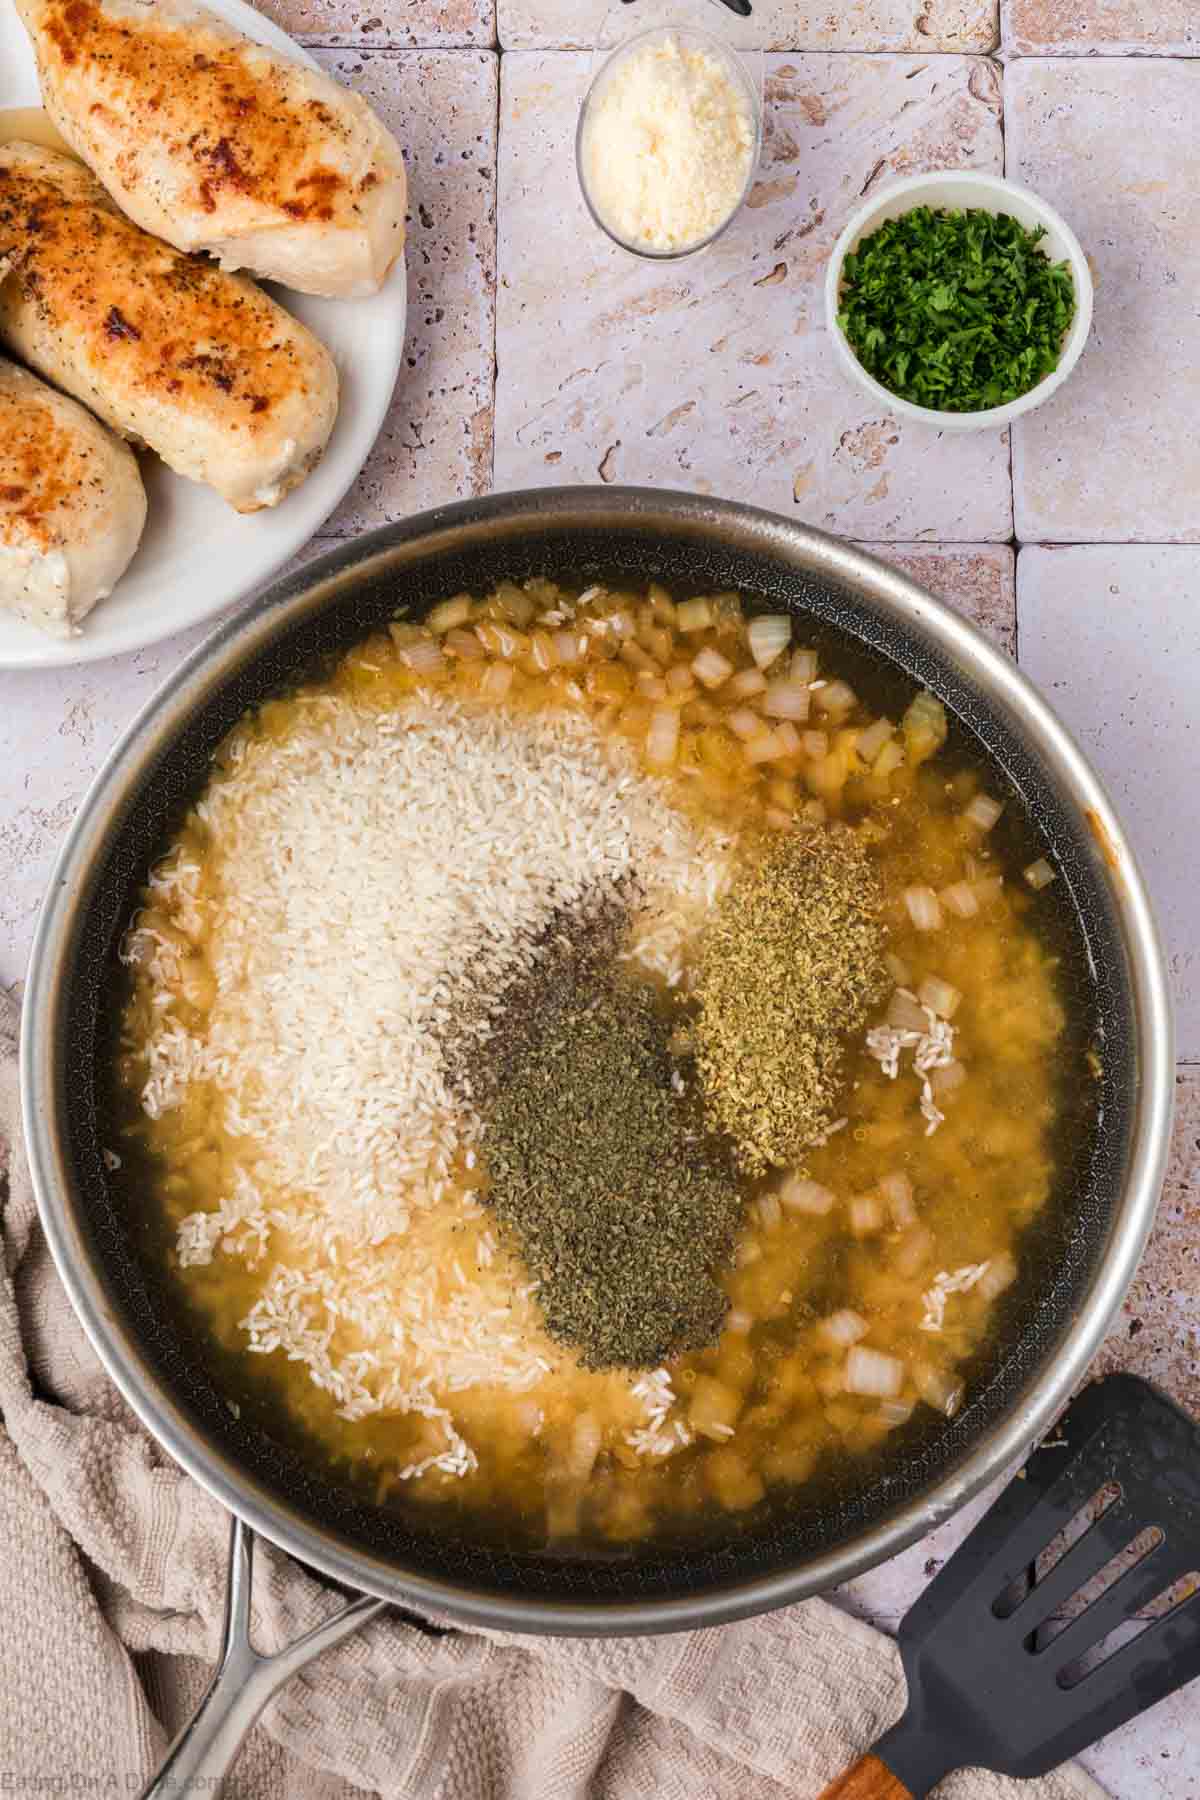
<point x="197" y="555"/>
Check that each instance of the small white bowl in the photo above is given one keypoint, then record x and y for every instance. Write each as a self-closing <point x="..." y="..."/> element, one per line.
<point x="955" y="190"/>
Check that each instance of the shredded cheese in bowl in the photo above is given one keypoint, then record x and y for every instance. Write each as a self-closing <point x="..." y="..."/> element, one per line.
<point x="667" y="141"/>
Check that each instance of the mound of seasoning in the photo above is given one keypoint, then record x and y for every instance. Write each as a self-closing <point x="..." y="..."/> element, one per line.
<point x="791" y="966"/>
<point x="958" y="311"/>
<point x="599" y="1166"/>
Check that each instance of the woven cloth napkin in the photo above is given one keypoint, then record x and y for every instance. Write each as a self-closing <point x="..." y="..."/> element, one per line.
<point x="111" y="1596"/>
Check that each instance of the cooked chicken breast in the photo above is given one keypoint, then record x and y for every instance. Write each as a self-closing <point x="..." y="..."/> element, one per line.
<point x="220" y="144"/>
<point x="167" y="349"/>
<point x="72" y="505"/>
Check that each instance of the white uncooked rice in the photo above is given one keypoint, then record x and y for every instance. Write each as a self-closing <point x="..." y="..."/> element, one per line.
<point x="363" y="873"/>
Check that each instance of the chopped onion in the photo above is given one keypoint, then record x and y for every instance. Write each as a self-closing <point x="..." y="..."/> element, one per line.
<point x="769" y="636"/>
<point x="804" y="665"/>
<point x="915" y="1249"/>
<point x="680" y="679"/>
<point x="937" y="1389"/>
<point x="895" y="1412"/>
<point x="897" y="1192"/>
<point x="959" y="898"/>
<point x="622" y="623"/>
<point x="845" y="1327"/>
<point x="865" y="1212"/>
<point x="786" y="700"/>
<point x="939" y="996"/>
<point x="788" y="738"/>
<point x="923" y="908"/>
<point x="905" y="1013"/>
<point x="889" y="759"/>
<point x="694" y="615"/>
<point x="815" y="744"/>
<point x="662" y="739"/>
<point x="983" y="811"/>
<point x="450" y="613"/>
<point x="650" y="687"/>
<point x="746" y="683"/>
<point x="497" y="680"/>
<point x="871" y="1372"/>
<point x="765" y="747"/>
<point x="988" y="888"/>
<point x="740" y="1323"/>
<point x="541" y="648"/>
<point x="836" y="698"/>
<point x="871" y="741"/>
<point x="770" y="1211"/>
<point x="710" y="667"/>
<point x="743" y="722"/>
<point x="897" y="968"/>
<point x="803" y="1196"/>
<point x="999" y="1274"/>
<point x="947" y="1079"/>
<point x="635" y="657"/>
<point x="566" y="648"/>
<point x="424" y="657"/>
<point x="1039" y="874"/>
<point x="465" y="645"/>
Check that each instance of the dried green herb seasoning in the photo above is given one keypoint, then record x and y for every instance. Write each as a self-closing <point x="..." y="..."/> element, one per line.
<point x="599" y="1168"/>
<point x="791" y="966"/>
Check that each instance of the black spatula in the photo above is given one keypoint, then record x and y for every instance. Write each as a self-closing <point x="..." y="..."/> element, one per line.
<point x="1073" y="1605"/>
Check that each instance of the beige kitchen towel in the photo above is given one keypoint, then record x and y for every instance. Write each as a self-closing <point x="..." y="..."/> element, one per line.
<point x="111" y="1592"/>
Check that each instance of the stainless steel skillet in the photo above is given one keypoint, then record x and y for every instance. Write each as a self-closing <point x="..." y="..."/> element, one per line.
<point x="1072" y="1285"/>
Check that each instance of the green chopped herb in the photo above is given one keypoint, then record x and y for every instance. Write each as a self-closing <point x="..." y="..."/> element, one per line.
<point x="958" y="311"/>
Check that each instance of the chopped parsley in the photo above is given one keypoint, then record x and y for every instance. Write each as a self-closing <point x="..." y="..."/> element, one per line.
<point x="955" y="310"/>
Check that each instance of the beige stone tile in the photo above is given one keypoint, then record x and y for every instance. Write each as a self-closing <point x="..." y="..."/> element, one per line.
<point x="867" y="25"/>
<point x="716" y="373"/>
<point x="1112" y="143"/>
<point x="413" y="24"/>
<point x="977" y="580"/>
<point x="1111" y="634"/>
<point x="1100" y="27"/>
<point x="436" y="444"/>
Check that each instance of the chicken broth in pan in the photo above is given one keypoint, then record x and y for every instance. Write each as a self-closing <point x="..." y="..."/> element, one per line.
<point x="597" y="1059"/>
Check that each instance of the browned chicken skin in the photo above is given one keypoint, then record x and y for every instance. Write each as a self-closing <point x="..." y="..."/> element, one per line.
<point x="168" y="349"/>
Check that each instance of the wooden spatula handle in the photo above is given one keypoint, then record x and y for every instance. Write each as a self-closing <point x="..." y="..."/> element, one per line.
<point x="869" y="1779"/>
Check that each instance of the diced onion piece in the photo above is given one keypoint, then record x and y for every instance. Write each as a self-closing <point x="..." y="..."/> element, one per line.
<point x="694" y="615"/>
<point x="740" y="1323"/>
<point x="913" y="1251"/>
<point x="959" y="898"/>
<point x="1039" y="874"/>
<point x="497" y="679"/>
<point x="924" y="726"/>
<point x="937" y="1388"/>
<point x="897" y="1193"/>
<point x="622" y="623"/>
<point x="787" y="700"/>
<point x="889" y="760"/>
<point x="661" y="603"/>
<point x="637" y="658"/>
<point x="713" y="1407"/>
<point x="788" y="738"/>
<point x="662" y="739"/>
<point x="939" y="996"/>
<point x="541" y="648"/>
<point x="650" y="687"/>
<point x="988" y="888"/>
<point x="1000" y="1273"/>
<point x="865" y="1212"/>
<point x="743" y="722"/>
<point x="871" y="741"/>
<point x="897" y="968"/>
<point x="770" y="1211"/>
<point x="424" y="657"/>
<point x="680" y="679"/>
<point x="871" y="1372"/>
<point x="836" y="698"/>
<point x="845" y="1327"/>
<point x="905" y="1012"/>
<point x="746" y="683"/>
<point x="463" y="644"/>
<point x="449" y="613"/>
<point x="769" y="635"/>
<point x="815" y="744"/>
<point x="804" y="665"/>
<point x="711" y="668"/>
<point x="923" y="908"/>
<point x="566" y="648"/>
<point x="947" y="1079"/>
<point x="895" y="1412"/>
<point x="763" y="748"/>
<point x="800" y="1195"/>
<point x="983" y="811"/>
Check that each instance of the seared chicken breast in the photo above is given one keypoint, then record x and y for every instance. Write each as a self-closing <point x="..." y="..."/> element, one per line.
<point x="168" y="349"/>
<point x="72" y="505"/>
<point x="217" y="143"/>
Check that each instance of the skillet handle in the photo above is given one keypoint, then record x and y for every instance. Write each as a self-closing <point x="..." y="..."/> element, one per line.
<point x="203" y="1753"/>
<point x="869" y="1779"/>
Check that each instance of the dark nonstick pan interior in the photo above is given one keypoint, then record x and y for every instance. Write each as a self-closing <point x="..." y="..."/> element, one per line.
<point x="1060" y="1259"/>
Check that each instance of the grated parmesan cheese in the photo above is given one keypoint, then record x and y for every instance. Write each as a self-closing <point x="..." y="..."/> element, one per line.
<point x="667" y="144"/>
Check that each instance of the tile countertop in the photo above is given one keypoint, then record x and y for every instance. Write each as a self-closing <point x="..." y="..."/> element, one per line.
<point x="538" y="353"/>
